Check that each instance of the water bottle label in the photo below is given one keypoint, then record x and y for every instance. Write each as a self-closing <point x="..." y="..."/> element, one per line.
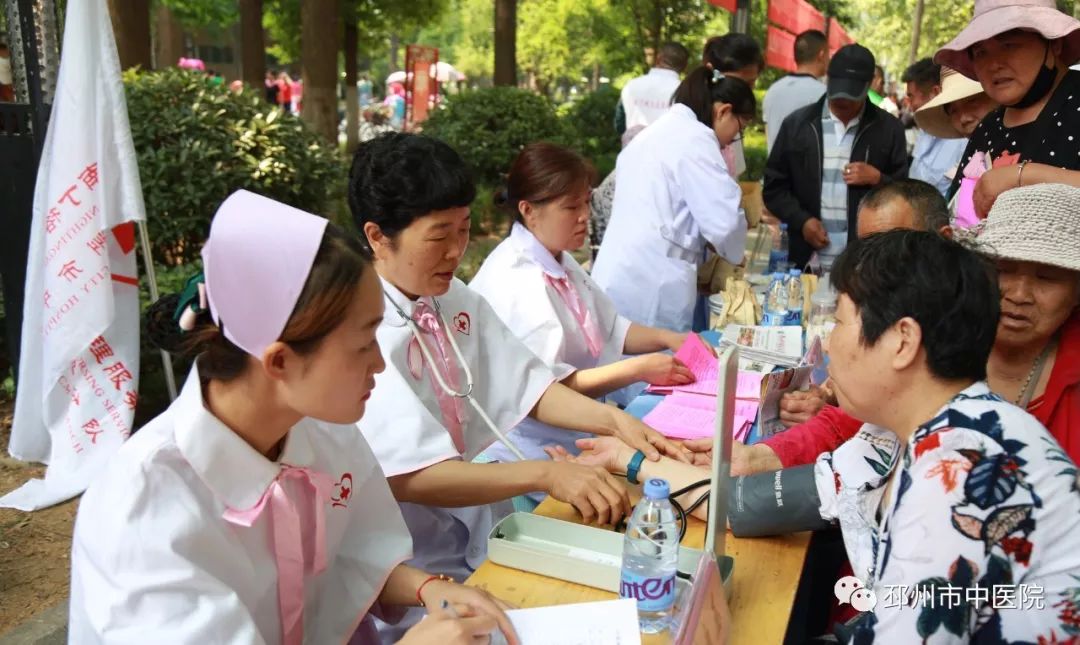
<point x="773" y="320"/>
<point x="651" y="594"/>
<point x="794" y="318"/>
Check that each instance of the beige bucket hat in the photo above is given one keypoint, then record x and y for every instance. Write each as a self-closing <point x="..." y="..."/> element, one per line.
<point x="1039" y="223"/>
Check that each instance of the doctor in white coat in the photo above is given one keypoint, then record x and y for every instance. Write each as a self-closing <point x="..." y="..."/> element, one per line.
<point x="548" y="301"/>
<point x="409" y="195"/>
<point x="673" y="197"/>
<point x="247" y="512"/>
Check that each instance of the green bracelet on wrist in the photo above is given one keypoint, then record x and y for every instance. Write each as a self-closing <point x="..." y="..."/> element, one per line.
<point x="634" y="467"/>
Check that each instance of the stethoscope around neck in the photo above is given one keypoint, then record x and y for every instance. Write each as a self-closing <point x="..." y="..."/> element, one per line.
<point x="467" y="392"/>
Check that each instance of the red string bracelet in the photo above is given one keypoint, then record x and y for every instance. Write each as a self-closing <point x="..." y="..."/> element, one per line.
<point x="419" y="589"/>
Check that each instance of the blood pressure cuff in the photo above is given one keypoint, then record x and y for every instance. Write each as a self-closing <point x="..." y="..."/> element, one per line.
<point x="775" y="503"/>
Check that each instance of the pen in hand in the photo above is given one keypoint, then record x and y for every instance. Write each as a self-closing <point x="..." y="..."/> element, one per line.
<point x="497" y="637"/>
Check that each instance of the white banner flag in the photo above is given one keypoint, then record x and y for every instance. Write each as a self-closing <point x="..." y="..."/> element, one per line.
<point x="79" y="365"/>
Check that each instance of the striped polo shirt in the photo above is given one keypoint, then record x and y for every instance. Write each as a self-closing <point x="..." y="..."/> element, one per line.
<point x="837" y="141"/>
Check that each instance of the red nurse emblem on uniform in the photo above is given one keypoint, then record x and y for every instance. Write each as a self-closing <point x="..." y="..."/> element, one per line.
<point x="462" y="323"/>
<point x="342" y="491"/>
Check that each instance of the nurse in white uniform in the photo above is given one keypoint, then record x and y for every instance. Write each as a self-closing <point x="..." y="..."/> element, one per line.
<point x="673" y="198"/>
<point x="410" y="197"/>
<point x="252" y="511"/>
<point x="550" y="303"/>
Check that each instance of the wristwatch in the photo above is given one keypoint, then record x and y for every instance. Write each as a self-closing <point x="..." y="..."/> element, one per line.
<point x="634" y="467"/>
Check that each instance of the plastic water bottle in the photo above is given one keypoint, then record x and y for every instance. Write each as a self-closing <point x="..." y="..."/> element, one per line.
<point x="778" y="255"/>
<point x="795" y="304"/>
<point x="651" y="558"/>
<point x="822" y="312"/>
<point x="776" y="301"/>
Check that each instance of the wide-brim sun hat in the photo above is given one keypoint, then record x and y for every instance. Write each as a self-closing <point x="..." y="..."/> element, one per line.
<point x="1039" y="223"/>
<point x="932" y="119"/>
<point x="993" y="17"/>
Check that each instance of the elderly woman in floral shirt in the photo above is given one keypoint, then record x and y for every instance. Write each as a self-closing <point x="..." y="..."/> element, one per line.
<point x="960" y="513"/>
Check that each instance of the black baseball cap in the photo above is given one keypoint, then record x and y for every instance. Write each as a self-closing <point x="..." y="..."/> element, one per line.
<point x="850" y="72"/>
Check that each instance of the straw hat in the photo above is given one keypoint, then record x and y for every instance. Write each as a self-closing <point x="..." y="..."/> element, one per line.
<point x="931" y="118"/>
<point x="993" y="17"/>
<point x="1039" y="223"/>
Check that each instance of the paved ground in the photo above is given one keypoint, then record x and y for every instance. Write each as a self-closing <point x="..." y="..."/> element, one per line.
<point x="46" y="628"/>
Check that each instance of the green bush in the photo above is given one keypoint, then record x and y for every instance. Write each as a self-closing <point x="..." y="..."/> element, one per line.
<point x="590" y="120"/>
<point x="490" y="126"/>
<point x="197" y="142"/>
<point x="755" y="151"/>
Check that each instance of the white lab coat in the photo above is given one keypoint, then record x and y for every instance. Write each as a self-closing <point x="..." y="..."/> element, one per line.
<point x="512" y="281"/>
<point x="153" y="561"/>
<point x="404" y="426"/>
<point x="673" y="194"/>
<point x="646" y="98"/>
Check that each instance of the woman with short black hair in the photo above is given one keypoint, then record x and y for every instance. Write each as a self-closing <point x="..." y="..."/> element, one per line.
<point x="456" y="378"/>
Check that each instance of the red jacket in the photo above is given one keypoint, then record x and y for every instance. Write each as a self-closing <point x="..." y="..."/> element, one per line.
<point x="1058" y="409"/>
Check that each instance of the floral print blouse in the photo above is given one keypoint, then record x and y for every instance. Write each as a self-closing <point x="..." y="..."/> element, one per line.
<point x="981" y="541"/>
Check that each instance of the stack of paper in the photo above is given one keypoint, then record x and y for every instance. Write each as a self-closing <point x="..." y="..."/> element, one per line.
<point x="689" y="411"/>
<point x="684" y="416"/>
<point x="780" y="345"/>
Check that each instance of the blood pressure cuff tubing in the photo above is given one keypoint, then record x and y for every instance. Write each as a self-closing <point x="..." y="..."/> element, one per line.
<point x="775" y="503"/>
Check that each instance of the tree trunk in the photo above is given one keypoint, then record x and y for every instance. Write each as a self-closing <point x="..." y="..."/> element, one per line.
<point x="395" y="44"/>
<point x="252" y="46"/>
<point x="916" y="32"/>
<point x="169" y="45"/>
<point x="352" y="100"/>
<point x="505" y="42"/>
<point x="320" y="32"/>
<point x="131" y="24"/>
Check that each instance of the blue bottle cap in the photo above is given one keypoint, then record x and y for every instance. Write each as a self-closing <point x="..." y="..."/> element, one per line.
<point x="657" y="488"/>
<point x="796" y="272"/>
<point x="778" y="275"/>
<point x="783" y="226"/>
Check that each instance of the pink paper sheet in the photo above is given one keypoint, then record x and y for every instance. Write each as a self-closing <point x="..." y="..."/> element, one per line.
<point x="684" y="416"/>
<point x="695" y="355"/>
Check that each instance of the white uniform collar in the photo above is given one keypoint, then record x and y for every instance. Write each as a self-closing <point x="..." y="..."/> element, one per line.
<point x="236" y="473"/>
<point x="393" y="296"/>
<point x="531" y="247"/>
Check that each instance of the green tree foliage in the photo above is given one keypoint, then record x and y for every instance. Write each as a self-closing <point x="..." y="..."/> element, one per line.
<point x="590" y="124"/>
<point x="195" y="14"/>
<point x="884" y="26"/>
<point x="464" y="37"/>
<point x="198" y="142"/>
<point x="489" y="127"/>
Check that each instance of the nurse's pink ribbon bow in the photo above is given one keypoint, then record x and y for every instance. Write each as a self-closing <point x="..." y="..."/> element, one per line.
<point x="585" y="319"/>
<point x="452" y="407"/>
<point x="292" y="541"/>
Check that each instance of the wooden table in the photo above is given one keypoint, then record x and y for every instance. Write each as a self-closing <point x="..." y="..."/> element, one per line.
<point x="763" y="585"/>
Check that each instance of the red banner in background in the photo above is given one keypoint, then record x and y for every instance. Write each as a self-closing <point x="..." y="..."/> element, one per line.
<point x="420" y="87"/>
<point x="729" y="5"/>
<point x="796" y="16"/>
<point x="837" y="36"/>
<point x="780" y="49"/>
